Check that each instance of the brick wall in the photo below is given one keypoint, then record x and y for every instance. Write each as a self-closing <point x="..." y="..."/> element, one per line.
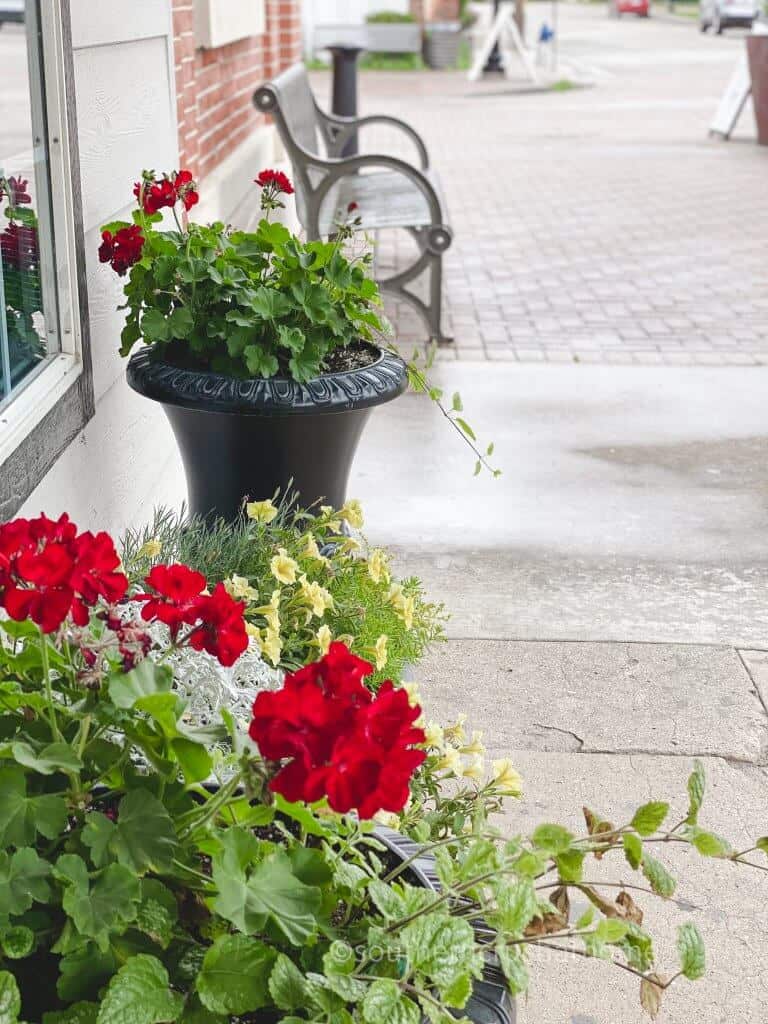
<point x="435" y="10"/>
<point x="214" y="87"/>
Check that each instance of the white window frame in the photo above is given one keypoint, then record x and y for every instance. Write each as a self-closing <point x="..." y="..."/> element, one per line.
<point x="64" y="286"/>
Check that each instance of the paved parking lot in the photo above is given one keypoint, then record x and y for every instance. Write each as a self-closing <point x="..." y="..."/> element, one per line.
<point x="601" y="223"/>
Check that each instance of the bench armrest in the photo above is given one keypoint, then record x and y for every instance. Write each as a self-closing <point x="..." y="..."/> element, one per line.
<point x="339" y="129"/>
<point x="336" y="169"/>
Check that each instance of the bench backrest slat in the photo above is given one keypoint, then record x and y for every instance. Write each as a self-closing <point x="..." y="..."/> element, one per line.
<point x="297" y="106"/>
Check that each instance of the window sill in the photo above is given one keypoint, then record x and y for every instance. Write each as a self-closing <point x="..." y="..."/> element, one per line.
<point x="32" y="404"/>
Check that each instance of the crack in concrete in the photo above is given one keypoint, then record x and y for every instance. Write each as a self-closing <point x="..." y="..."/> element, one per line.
<point x="565" y="732"/>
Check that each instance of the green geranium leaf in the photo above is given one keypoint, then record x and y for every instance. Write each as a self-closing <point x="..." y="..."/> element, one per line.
<point x="10" y="999"/>
<point x="155" y="326"/>
<point x="270" y="304"/>
<point x="696" y="787"/>
<point x="22" y="816"/>
<point x="140" y="993"/>
<point x="83" y="972"/>
<point x="157" y="912"/>
<point x="144" y="838"/>
<point x="23" y="880"/>
<point x="55" y="757"/>
<point x="650" y="817"/>
<point x="272" y="893"/>
<point x="553" y="838"/>
<point x="233" y="979"/>
<point x="180" y="322"/>
<point x="300" y="813"/>
<point x="146" y="679"/>
<point x="260" y="362"/>
<point x="291" y="338"/>
<point x="286" y="985"/>
<point x="690" y="948"/>
<point x="385" y="1003"/>
<point x="99" y="909"/>
<point x="442" y="948"/>
<point x="98" y="834"/>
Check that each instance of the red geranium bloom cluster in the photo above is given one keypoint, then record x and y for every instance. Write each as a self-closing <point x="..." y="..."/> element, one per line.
<point x="154" y="195"/>
<point x="16" y="188"/>
<point x="217" y="622"/>
<point x="19" y="247"/>
<point x="339" y="740"/>
<point x="48" y="571"/>
<point x="276" y="181"/>
<point x="122" y="249"/>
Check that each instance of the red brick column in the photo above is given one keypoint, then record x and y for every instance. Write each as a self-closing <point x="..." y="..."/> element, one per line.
<point x="214" y="87"/>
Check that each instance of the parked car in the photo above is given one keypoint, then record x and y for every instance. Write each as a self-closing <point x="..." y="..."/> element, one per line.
<point x="11" y="10"/>
<point x="642" y="8"/>
<point x="720" y="14"/>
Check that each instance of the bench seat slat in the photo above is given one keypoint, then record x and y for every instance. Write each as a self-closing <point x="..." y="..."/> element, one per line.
<point x="385" y="199"/>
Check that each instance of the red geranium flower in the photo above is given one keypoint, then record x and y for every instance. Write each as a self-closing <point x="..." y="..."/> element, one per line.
<point x="19" y="247"/>
<point x="276" y="181"/>
<point x="222" y="627"/>
<point x="48" y="572"/>
<point x="17" y="191"/>
<point x="186" y="189"/>
<point x="155" y="195"/>
<point x="177" y="589"/>
<point x="122" y="249"/>
<point x="339" y="741"/>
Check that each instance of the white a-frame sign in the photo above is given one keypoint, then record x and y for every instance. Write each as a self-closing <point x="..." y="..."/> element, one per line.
<point x="505" y="32"/>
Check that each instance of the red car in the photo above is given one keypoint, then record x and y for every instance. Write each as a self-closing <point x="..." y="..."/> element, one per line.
<point x="642" y="8"/>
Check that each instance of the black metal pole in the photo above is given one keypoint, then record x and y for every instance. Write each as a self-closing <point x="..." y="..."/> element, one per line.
<point x="344" y="91"/>
<point x="495" y="62"/>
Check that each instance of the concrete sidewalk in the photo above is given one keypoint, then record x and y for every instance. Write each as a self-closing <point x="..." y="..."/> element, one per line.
<point x="610" y="622"/>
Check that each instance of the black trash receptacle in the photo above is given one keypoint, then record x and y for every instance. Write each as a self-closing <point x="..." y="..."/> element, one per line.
<point x="344" y="92"/>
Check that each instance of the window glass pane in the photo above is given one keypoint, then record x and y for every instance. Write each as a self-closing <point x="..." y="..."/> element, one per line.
<point x="28" y="332"/>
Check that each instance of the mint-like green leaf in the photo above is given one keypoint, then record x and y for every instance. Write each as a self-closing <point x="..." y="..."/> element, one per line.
<point x="157" y="912"/>
<point x="648" y="818"/>
<point x="662" y="883"/>
<point x="513" y="967"/>
<point x="140" y="993"/>
<point x="570" y="865"/>
<point x="233" y="979"/>
<point x="690" y="948"/>
<point x="633" y="850"/>
<point x="611" y="930"/>
<point x="709" y="844"/>
<point x="286" y="985"/>
<point x="16" y="941"/>
<point x="79" y="1013"/>
<point x="440" y="947"/>
<point x="385" y="1003"/>
<point x="553" y="838"/>
<point x="388" y="899"/>
<point x="10" y="999"/>
<point x="696" y="787"/>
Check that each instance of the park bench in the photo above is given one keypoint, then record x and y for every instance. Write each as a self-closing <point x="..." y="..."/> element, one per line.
<point x="389" y="192"/>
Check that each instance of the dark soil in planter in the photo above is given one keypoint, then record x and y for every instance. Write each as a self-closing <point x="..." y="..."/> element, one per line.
<point x="356" y="356"/>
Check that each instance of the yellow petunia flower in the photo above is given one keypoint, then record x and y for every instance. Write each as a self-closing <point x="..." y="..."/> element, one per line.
<point x="239" y="588"/>
<point x="378" y="568"/>
<point x="253" y="631"/>
<point x="434" y="736"/>
<point x="455" y="734"/>
<point x="283" y="567"/>
<point x="271" y="646"/>
<point x="387" y="818"/>
<point x="450" y="761"/>
<point x="334" y="525"/>
<point x="475" y="770"/>
<point x="319" y="599"/>
<point x="352" y="511"/>
<point x="150" y="548"/>
<point x="381" y="651"/>
<point x="507" y="778"/>
<point x="311" y="550"/>
<point x="476" y="746"/>
<point x="261" y="511"/>
<point x="347" y="639"/>
<point x="324" y="638"/>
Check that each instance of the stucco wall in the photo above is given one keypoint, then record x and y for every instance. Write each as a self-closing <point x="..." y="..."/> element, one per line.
<point x="125" y="460"/>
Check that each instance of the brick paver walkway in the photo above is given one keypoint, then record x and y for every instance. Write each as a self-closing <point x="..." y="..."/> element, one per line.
<point x="599" y="224"/>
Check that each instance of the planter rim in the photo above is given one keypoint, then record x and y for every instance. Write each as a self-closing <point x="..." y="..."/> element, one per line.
<point x="341" y="391"/>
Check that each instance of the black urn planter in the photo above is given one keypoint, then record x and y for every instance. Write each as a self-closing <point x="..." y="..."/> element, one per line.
<point x="490" y="1002"/>
<point x="251" y="438"/>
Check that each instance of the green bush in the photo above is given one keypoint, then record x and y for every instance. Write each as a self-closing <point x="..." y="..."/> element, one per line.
<point x="390" y="18"/>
